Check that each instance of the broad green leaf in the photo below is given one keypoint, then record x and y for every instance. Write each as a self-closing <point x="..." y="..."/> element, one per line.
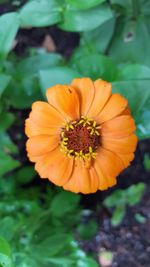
<point x="133" y="72"/>
<point x="6" y="144"/>
<point x="85" y="20"/>
<point x="25" y="84"/>
<point x="33" y="64"/>
<point x="112" y="200"/>
<point x="87" y="262"/>
<point x="57" y="75"/>
<point x="140" y="218"/>
<point x="6" y="223"/>
<point x="94" y="65"/>
<point x="134" y="193"/>
<point x="118" y="215"/>
<point x="138" y="94"/>
<point x="9" y="25"/>
<point x="25" y="92"/>
<point x="82" y="4"/>
<point x="61" y="262"/>
<point x="6" y="120"/>
<point x="146" y="162"/>
<point x="25" y="175"/>
<point x="99" y="39"/>
<point x="40" y="13"/>
<point x="5" y="253"/>
<point x="125" y="3"/>
<point x="4" y="80"/>
<point x="22" y="259"/>
<point x="51" y="246"/>
<point x="87" y="230"/>
<point x="130" y="44"/>
<point x="7" y="163"/>
<point x="69" y="202"/>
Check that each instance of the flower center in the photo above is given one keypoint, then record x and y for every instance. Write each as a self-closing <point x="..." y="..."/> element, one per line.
<point x="80" y="138"/>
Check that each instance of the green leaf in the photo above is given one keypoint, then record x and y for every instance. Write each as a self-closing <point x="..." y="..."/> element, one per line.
<point x="118" y="215"/>
<point x="134" y="193"/>
<point x="57" y="75"/>
<point x="133" y="72"/>
<point x="69" y="203"/>
<point x="99" y="39"/>
<point x="112" y="200"/>
<point x="61" y="261"/>
<point x="94" y="65"/>
<point x="131" y="41"/>
<point x="87" y="230"/>
<point x="87" y="262"/>
<point x="6" y="144"/>
<point x="25" y="84"/>
<point x="6" y="120"/>
<point x="51" y="246"/>
<point x="6" y="223"/>
<point x="82" y="4"/>
<point x="85" y="20"/>
<point x="24" y="260"/>
<point x="33" y="64"/>
<point x="25" y="92"/>
<point x="138" y="94"/>
<point x="5" y="253"/>
<point x="140" y="218"/>
<point x="146" y="162"/>
<point x="9" y="25"/>
<point x="4" y="80"/>
<point x="25" y="175"/>
<point x="40" y="13"/>
<point x="7" y="163"/>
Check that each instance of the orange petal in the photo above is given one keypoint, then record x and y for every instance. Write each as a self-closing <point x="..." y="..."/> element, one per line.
<point x="119" y="127"/>
<point x="43" y="116"/>
<point x="65" y="99"/>
<point x="55" y="166"/>
<point x="126" y="158"/>
<point x="127" y="111"/>
<point x="85" y="89"/>
<point x="41" y="144"/>
<point x="82" y="180"/>
<point x="108" y="166"/>
<point x="102" y="93"/>
<point x="34" y="158"/>
<point x="120" y="145"/>
<point x="94" y="180"/>
<point x="103" y="182"/>
<point x="111" y="165"/>
<point x="33" y="129"/>
<point x="115" y="105"/>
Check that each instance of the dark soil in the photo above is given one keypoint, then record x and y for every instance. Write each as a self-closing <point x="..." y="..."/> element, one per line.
<point x="129" y="242"/>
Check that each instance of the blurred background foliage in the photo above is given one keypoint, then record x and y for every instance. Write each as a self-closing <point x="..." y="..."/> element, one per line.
<point x="41" y="225"/>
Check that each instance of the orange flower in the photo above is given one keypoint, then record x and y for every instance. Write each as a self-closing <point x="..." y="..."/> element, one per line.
<point x="83" y="137"/>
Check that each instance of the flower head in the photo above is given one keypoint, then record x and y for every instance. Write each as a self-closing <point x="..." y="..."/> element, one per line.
<point x="83" y="137"/>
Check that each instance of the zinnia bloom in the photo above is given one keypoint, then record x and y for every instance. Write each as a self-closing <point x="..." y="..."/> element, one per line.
<point x="83" y="137"/>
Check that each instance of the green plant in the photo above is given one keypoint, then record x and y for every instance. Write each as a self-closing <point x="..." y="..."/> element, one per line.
<point x="147" y="162"/>
<point x="37" y="223"/>
<point x="119" y="199"/>
<point x="36" y="232"/>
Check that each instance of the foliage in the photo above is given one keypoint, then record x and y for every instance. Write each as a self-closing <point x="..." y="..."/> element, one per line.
<point x="114" y="45"/>
<point x="129" y="71"/>
<point x="147" y="162"/>
<point x="42" y="225"/>
<point x="119" y="199"/>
